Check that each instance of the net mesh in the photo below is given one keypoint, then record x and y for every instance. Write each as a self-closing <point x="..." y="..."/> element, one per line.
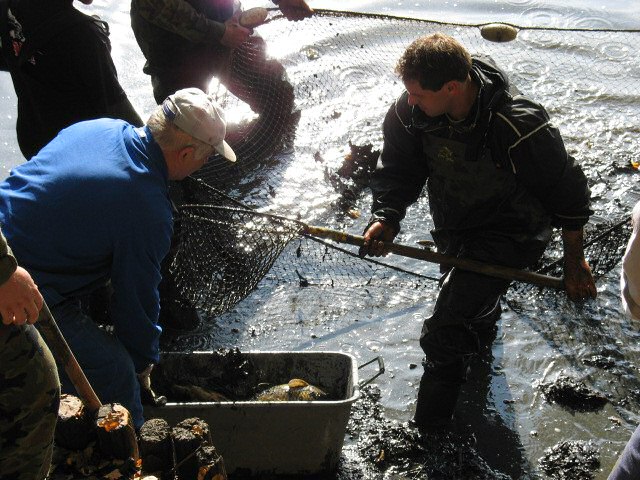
<point x="312" y="144"/>
<point x="226" y="251"/>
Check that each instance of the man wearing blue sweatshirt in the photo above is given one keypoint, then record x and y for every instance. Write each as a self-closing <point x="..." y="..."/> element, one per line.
<point x="92" y="207"/>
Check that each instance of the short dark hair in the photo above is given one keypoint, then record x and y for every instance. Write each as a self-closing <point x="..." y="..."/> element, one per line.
<point x="434" y="60"/>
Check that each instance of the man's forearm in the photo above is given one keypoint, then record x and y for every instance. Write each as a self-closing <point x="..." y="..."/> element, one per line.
<point x="572" y="241"/>
<point x="179" y="17"/>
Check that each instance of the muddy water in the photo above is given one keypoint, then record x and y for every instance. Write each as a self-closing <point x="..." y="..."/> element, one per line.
<point x="539" y="338"/>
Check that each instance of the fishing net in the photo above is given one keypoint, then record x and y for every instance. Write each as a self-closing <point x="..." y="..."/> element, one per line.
<point x="225" y="252"/>
<point x="312" y="160"/>
<point x="340" y="66"/>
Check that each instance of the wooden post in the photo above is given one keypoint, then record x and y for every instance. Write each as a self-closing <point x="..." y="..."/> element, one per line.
<point x="75" y="428"/>
<point x="210" y="464"/>
<point x="189" y="436"/>
<point x="156" y="448"/>
<point x="116" y="435"/>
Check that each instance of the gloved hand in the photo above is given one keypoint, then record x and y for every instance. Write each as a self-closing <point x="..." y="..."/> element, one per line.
<point x="147" y="395"/>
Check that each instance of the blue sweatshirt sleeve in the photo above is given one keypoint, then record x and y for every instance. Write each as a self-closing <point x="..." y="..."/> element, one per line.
<point x="135" y="277"/>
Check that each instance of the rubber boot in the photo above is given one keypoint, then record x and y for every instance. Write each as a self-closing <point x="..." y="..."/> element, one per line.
<point x="436" y="404"/>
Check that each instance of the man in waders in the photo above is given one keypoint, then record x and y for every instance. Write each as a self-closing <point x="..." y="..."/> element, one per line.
<point x="92" y="207"/>
<point x="498" y="179"/>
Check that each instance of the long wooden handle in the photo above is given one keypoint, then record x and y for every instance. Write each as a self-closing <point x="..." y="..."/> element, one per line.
<point x="58" y="345"/>
<point x="498" y="271"/>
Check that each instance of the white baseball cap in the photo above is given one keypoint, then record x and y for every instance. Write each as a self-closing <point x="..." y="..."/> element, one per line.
<point x="196" y="113"/>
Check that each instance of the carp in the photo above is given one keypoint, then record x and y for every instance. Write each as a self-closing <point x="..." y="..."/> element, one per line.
<point x="296" y="390"/>
<point x="254" y="17"/>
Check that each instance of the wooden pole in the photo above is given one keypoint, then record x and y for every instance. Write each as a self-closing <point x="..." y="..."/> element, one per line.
<point x="115" y="429"/>
<point x="58" y="345"/>
<point x="498" y="271"/>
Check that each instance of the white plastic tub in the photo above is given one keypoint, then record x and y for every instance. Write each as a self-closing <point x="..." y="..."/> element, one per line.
<point x="301" y="438"/>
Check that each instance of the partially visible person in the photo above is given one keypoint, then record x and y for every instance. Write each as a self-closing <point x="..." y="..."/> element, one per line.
<point x="61" y="67"/>
<point x="29" y="385"/>
<point x="630" y="277"/>
<point x="92" y="207"/>
<point x="628" y="465"/>
<point x="499" y="179"/>
<point x="188" y="42"/>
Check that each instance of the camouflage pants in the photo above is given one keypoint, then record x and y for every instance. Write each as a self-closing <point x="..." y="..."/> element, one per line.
<point x="29" y="399"/>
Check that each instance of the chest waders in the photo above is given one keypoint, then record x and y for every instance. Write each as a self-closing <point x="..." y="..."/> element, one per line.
<point x="471" y="194"/>
<point x="480" y="212"/>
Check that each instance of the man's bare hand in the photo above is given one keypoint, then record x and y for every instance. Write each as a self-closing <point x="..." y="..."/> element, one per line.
<point x="295" y="9"/>
<point x="20" y="299"/>
<point x="374" y="238"/>
<point x="234" y="34"/>
<point x="578" y="281"/>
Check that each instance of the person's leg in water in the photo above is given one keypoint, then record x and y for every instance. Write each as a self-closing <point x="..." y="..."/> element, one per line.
<point x="467" y="305"/>
<point x="168" y="82"/>
<point x="450" y="340"/>
<point x="249" y="75"/>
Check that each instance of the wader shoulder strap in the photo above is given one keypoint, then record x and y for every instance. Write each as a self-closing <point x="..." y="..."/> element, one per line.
<point x="59" y="22"/>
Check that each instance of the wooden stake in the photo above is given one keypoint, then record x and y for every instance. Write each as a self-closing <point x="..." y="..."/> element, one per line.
<point x="74" y="429"/>
<point x="116" y="435"/>
<point x="156" y="447"/>
<point x="210" y="464"/>
<point x="189" y="436"/>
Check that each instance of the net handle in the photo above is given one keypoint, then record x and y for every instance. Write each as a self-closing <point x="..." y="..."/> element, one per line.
<point x="506" y="273"/>
<point x="498" y="271"/>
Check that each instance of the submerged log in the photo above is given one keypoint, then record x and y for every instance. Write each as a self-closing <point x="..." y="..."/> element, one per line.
<point x="116" y="435"/>
<point x="156" y="447"/>
<point x="74" y="429"/>
<point x="189" y="436"/>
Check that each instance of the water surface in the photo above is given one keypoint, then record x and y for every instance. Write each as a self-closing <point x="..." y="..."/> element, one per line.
<point x="591" y="90"/>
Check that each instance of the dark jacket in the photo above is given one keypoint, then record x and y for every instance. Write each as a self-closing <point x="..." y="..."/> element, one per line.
<point x="503" y="169"/>
<point x="61" y="68"/>
<point x="172" y="33"/>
